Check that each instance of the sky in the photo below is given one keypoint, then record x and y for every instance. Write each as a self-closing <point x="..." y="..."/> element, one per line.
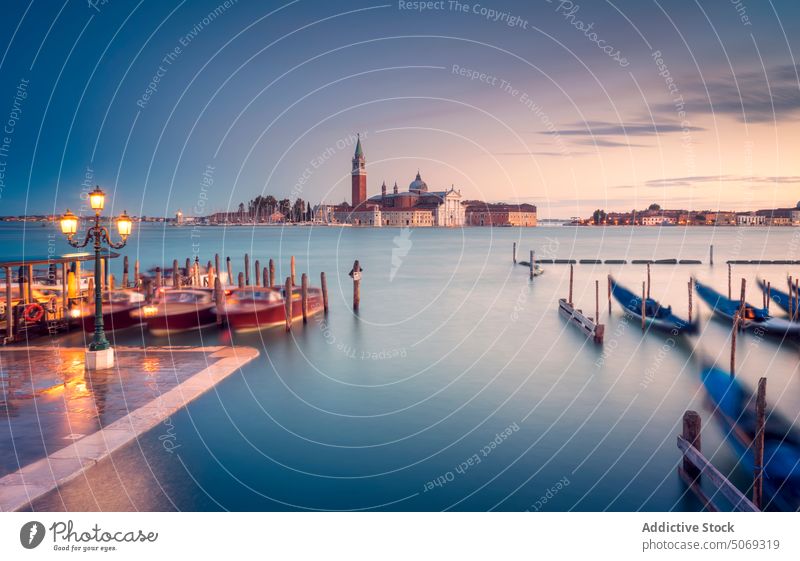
<point x="570" y="106"/>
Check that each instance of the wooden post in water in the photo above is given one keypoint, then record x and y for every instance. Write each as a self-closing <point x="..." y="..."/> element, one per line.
<point x="648" y="280"/>
<point x="691" y="433"/>
<point x="158" y="278"/>
<point x="356" y="274"/>
<point x="791" y="297"/>
<point x="597" y="301"/>
<point x="219" y="299"/>
<point x="515" y="253"/>
<point x="241" y="279"/>
<point x="729" y="281"/>
<point x="733" y="342"/>
<point x="288" y="303"/>
<point x="294" y="274"/>
<point x="136" y="277"/>
<point x="257" y="269"/>
<point x="530" y="264"/>
<point x="265" y="279"/>
<point x="796" y="295"/>
<point x="758" y="444"/>
<point x="644" y="304"/>
<point x="189" y="270"/>
<point x="741" y="303"/>
<point x="176" y="274"/>
<point x="304" y="296"/>
<point x="271" y="272"/>
<point x="569" y="300"/>
<point x="216" y="264"/>
<point x="230" y="270"/>
<point x="609" y="294"/>
<point x="210" y="273"/>
<point x="711" y="255"/>
<point x="691" y="290"/>
<point x="324" y="283"/>
<point x="246" y="269"/>
<point x="769" y="295"/>
<point x="125" y="272"/>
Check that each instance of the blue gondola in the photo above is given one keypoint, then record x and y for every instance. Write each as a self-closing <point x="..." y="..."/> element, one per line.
<point x="655" y="314"/>
<point x="735" y="410"/>
<point x="756" y="318"/>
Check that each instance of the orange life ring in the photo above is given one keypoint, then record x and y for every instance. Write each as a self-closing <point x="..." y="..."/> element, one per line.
<point x="33" y="312"/>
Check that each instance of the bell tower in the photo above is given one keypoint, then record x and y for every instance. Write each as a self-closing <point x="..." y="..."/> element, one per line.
<point x="359" y="176"/>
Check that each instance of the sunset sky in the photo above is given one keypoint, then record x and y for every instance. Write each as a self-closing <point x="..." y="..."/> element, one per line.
<point x="568" y="105"/>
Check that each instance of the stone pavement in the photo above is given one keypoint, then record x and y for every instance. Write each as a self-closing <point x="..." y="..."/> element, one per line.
<point x="56" y="420"/>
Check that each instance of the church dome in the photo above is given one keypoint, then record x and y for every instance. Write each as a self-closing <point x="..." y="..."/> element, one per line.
<point x="418" y="185"/>
<point x="798" y="205"/>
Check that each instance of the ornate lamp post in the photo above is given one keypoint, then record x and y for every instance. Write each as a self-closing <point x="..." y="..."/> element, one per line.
<point x="100" y="354"/>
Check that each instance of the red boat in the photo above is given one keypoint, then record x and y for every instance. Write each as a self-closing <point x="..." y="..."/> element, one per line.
<point x="178" y="309"/>
<point x="252" y="307"/>
<point x="118" y="306"/>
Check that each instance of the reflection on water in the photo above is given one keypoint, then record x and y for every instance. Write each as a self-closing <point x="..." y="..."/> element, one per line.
<point x="452" y="345"/>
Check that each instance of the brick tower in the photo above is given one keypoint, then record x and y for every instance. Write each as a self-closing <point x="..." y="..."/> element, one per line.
<point x="359" y="176"/>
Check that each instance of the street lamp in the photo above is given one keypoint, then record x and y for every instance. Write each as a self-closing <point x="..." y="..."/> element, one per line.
<point x="100" y="354"/>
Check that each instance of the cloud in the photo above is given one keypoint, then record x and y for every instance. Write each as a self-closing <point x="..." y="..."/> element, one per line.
<point x="752" y="96"/>
<point x="607" y="143"/>
<point x="540" y="153"/>
<point x="605" y="128"/>
<point x="692" y="179"/>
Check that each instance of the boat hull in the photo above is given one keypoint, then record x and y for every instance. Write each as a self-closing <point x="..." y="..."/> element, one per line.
<point x="115" y="319"/>
<point x="164" y="324"/>
<point x="254" y="315"/>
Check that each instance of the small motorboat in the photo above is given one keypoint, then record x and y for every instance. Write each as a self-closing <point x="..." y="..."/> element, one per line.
<point x="755" y="318"/>
<point x="782" y="299"/>
<point x="178" y="309"/>
<point x="656" y="315"/>
<point x="537" y="269"/>
<point x="252" y="307"/>
<point x="117" y="308"/>
<point x="735" y="411"/>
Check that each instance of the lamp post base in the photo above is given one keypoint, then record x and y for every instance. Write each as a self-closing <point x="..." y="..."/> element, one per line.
<point x="100" y="360"/>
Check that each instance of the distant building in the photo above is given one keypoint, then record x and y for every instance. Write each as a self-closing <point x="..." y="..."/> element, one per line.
<point x="750" y="219"/>
<point x="179" y="217"/>
<point x="657" y="220"/>
<point x="416" y="207"/>
<point x="500" y="214"/>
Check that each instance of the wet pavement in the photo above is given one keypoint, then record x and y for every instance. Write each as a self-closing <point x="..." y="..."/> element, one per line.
<point x="56" y="419"/>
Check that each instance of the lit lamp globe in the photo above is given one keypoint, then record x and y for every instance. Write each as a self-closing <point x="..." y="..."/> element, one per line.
<point x="69" y="224"/>
<point x="97" y="199"/>
<point x="124" y="225"/>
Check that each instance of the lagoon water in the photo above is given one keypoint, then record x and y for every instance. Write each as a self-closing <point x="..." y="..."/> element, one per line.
<point x="457" y="386"/>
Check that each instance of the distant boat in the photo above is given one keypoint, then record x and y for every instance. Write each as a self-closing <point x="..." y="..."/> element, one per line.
<point x="735" y="410"/>
<point x="655" y="314"/>
<point x="537" y="269"/>
<point x="758" y="318"/>
<point x="778" y="296"/>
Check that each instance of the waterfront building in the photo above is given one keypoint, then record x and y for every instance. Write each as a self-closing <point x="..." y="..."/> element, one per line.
<point x="750" y="219"/>
<point x="500" y="214"/>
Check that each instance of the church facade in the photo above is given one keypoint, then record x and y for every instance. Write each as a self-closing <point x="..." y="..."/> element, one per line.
<point x="416" y="207"/>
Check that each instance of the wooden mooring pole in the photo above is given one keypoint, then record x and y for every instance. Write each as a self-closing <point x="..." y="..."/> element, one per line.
<point x="733" y="342"/>
<point x="246" y="269"/>
<point x="515" y="253"/>
<point x="176" y="274"/>
<point x="691" y="291"/>
<point x="271" y="272"/>
<point x="356" y="274"/>
<point x="729" y="281"/>
<point x="216" y="264"/>
<point x="796" y="299"/>
<point x="530" y="265"/>
<point x="304" y="296"/>
<point x="597" y="301"/>
<point x="644" y="304"/>
<point x="691" y="433"/>
<point x="769" y="294"/>
<point x="711" y="255"/>
<point x="158" y="278"/>
<point x="758" y="444"/>
<point x="288" y="303"/>
<point x="257" y="269"/>
<point x="569" y="300"/>
<point x="219" y="298"/>
<point x="648" y="280"/>
<point x="324" y="284"/>
<point x="241" y="280"/>
<point x="125" y="275"/>
<point x="742" y="303"/>
<point x="229" y="267"/>
<point x="609" y="294"/>
<point x="265" y="279"/>
<point x="294" y="274"/>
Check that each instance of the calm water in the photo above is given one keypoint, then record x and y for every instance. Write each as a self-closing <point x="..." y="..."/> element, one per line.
<point x="452" y="347"/>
